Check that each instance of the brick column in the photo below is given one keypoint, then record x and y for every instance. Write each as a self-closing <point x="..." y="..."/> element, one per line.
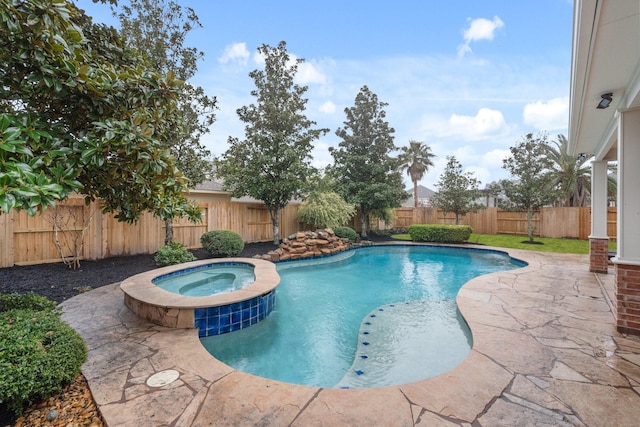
<point x="598" y="255"/>
<point x="627" y="313"/>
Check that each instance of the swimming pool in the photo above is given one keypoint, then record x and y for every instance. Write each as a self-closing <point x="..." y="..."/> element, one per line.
<point x="317" y="333"/>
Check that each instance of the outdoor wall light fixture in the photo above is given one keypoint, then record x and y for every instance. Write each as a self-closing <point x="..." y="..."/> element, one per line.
<point x="605" y="101"/>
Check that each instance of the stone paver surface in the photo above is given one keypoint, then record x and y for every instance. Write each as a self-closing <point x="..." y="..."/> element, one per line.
<point x="545" y="352"/>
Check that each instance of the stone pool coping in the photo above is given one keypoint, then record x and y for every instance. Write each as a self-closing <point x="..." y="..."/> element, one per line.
<point x="546" y="352"/>
<point x="165" y="308"/>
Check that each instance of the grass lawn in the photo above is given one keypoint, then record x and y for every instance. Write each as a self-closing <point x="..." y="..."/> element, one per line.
<point x="568" y="246"/>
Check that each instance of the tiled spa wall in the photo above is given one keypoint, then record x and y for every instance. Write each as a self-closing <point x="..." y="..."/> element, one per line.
<point x="232" y="317"/>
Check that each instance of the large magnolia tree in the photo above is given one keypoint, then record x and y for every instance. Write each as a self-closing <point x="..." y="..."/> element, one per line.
<point x="158" y="30"/>
<point x="81" y="112"/>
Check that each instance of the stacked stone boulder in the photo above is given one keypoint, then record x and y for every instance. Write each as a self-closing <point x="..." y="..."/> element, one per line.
<point x="307" y="244"/>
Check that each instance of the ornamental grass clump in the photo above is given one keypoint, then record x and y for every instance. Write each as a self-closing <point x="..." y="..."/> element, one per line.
<point x="222" y="243"/>
<point x="39" y="353"/>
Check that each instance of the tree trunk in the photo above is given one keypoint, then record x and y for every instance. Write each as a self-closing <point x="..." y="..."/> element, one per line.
<point x="529" y="226"/>
<point x="168" y="232"/>
<point x="364" y="222"/>
<point x="415" y="194"/>
<point x="275" y="222"/>
<point x="457" y="219"/>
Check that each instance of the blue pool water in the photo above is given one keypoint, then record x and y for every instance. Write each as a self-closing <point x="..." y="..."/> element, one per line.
<point x="371" y="317"/>
<point x="210" y="279"/>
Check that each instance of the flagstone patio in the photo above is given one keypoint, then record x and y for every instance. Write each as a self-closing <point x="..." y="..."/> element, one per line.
<point x="546" y="352"/>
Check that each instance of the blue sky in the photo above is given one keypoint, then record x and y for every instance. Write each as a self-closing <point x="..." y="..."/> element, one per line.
<point x="467" y="77"/>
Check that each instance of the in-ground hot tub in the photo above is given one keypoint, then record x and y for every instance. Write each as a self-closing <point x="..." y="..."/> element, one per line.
<point x="213" y="314"/>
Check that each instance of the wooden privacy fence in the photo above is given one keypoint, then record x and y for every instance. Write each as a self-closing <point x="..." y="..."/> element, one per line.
<point x="32" y="240"/>
<point x="572" y="223"/>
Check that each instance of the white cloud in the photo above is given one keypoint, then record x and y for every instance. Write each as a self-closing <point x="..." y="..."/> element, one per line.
<point x="479" y="29"/>
<point x="328" y="107"/>
<point x="236" y="53"/>
<point x="484" y="124"/>
<point x="308" y="73"/>
<point x="547" y="116"/>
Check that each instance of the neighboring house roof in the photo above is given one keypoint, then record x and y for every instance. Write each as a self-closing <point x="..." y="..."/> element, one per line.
<point x="424" y="193"/>
<point x="210" y="185"/>
<point x="216" y="187"/>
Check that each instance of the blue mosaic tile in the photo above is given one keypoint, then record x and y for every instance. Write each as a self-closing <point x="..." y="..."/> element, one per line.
<point x="201" y="324"/>
<point x="365" y="343"/>
<point x="199" y="313"/>
<point x="225" y="319"/>
<point x="235" y="316"/>
<point x="367" y="323"/>
<point x="364" y="356"/>
<point x="365" y="333"/>
<point x="359" y="372"/>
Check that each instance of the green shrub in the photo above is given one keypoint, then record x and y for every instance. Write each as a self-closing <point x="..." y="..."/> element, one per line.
<point x="222" y="243"/>
<point x="39" y="355"/>
<point x="172" y="254"/>
<point x="439" y="233"/>
<point x="346" y="233"/>
<point x="28" y="301"/>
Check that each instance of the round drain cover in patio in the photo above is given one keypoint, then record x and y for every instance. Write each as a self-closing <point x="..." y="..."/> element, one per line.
<point x="163" y="378"/>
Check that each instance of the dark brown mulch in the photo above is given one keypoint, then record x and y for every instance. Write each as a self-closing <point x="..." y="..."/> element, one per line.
<point x="58" y="283"/>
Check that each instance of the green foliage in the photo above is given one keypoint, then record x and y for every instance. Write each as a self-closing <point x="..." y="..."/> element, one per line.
<point x="439" y="233"/>
<point x="158" y="29"/>
<point x="171" y="254"/>
<point x="364" y="171"/>
<point x="79" y="111"/>
<point x="346" y="233"/>
<point x="273" y="163"/>
<point x="416" y="159"/>
<point x="457" y="190"/>
<point x="28" y="301"/>
<point x="222" y="243"/>
<point x="39" y="355"/>
<point x="326" y="209"/>
<point x="532" y="183"/>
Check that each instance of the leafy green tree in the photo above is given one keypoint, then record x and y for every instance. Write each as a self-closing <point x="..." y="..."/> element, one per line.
<point x="79" y="112"/>
<point x="458" y="191"/>
<point x="531" y="186"/>
<point x="158" y="29"/>
<point x="416" y="160"/>
<point x="364" y="171"/>
<point x="325" y="209"/>
<point x="273" y="163"/>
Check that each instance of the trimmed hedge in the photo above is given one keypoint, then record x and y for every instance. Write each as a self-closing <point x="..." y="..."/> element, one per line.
<point x="439" y="233"/>
<point x="172" y="254"/>
<point x="222" y="243"/>
<point x="39" y="355"/>
<point x="346" y="233"/>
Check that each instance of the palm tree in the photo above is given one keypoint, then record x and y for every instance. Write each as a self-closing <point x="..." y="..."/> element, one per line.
<point x="573" y="175"/>
<point x="416" y="159"/>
